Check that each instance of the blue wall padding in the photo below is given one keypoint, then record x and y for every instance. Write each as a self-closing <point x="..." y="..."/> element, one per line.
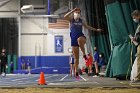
<point x="47" y="64"/>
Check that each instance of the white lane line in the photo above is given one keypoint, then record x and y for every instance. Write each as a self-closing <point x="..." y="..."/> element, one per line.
<point x="14" y="77"/>
<point x="63" y="78"/>
<point x="82" y="78"/>
<point x="24" y="78"/>
<point x="27" y="78"/>
<point x="56" y="84"/>
<point x="48" y="77"/>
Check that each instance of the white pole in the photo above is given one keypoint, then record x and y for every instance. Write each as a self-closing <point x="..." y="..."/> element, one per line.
<point x="19" y="31"/>
<point x="36" y="55"/>
<point x="39" y="50"/>
<point x="43" y="37"/>
<point x="19" y="36"/>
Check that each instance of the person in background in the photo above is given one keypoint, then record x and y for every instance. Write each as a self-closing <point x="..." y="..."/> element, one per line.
<point x="71" y="61"/>
<point x="3" y="62"/>
<point x="101" y="63"/>
<point x="96" y="60"/>
<point x="77" y="37"/>
<point x="83" y="70"/>
<point x="89" y="64"/>
<point x="12" y="66"/>
<point x="29" y="66"/>
<point x="23" y="67"/>
<point x="136" y="18"/>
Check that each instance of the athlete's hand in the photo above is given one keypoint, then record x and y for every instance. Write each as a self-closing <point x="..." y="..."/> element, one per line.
<point x="99" y="30"/>
<point x="74" y="9"/>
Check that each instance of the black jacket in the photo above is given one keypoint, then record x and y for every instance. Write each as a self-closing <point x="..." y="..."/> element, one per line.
<point x="3" y="59"/>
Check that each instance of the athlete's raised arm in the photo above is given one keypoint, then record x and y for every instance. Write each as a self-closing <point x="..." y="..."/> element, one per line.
<point x="67" y="16"/>
<point x="91" y="28"/>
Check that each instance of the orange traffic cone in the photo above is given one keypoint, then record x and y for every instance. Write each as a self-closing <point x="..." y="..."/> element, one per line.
<point x="42" y="79"/>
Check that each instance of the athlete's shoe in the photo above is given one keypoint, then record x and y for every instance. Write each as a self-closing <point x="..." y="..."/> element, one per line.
<point x="77" y="75"/>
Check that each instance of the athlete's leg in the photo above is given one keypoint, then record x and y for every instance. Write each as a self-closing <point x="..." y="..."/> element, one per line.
<point x="70" y="69"/>
<point x="81" y="42"/>
<point x="1" y="69"/>
<point x="75" y="50"/>
<point x="90" y="68"/>
<point x="96" y="68"/>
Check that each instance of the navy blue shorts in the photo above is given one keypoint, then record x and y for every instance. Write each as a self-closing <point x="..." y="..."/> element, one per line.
<point x="72" y="62"/>
<point x="74" y="41"/>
